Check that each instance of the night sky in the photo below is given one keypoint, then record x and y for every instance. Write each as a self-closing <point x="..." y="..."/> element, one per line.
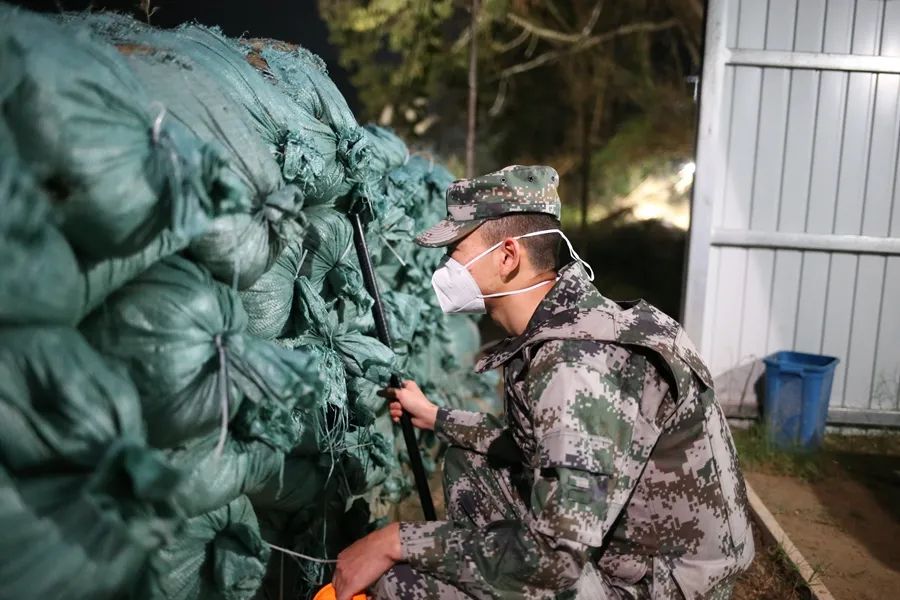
<point x="295" y="21"/>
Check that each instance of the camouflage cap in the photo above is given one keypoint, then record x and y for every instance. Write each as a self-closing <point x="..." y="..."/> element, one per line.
<point x="471" y="202"/>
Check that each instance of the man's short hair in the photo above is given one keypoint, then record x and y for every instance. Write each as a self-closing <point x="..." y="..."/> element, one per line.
<point x="543" y="250"/>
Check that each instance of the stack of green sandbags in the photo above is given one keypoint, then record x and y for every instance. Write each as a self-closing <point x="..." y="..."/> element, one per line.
<point x="188" y="360"/>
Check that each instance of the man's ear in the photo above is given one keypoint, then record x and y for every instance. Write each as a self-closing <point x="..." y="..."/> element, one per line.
<point x="511" y="258"/>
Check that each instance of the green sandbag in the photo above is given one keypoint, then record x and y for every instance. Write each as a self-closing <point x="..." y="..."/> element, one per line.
<point x="362" y="356"/>
<point x="315" y="153"/>
<point x="302" y="76"/>
<point x="213" y="479"/>
<point x="237" y="248"/>
<point x="181" y="336"/>
<point x="268" y="301"/>
<point x="306" y="480"/>
<point x="387" y="151"/>
<point x="331" y="265"/>
<point x="83" y="535"/>
<point x="40" y="280"/>
<point x="404" y="313"/>
<point x="61" y="406"/>
<point x="322" y="429"/>
<point x="120" y="170"/>
<point x="102" y="278"/>
<point x="356" y="465"/>
<point x="216" y="556"/>
<point x="321" y="156"/>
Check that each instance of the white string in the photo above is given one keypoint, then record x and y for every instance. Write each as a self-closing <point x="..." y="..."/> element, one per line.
<point x="302" y="556"/>
<point x="223" y="395"/>
<point x="574" y="254"/>
<point x="522" y="291"/>
<point x="344" y="253"/>
<point x="391" y="248"/>
<point x="157" y="122"/>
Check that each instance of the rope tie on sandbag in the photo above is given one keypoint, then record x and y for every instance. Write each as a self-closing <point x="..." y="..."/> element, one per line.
<point x="329" y="561"/>
<point x="392" y="249"/>
<point x="156" y="129"/>
<point x="223" y="393"/>
<point x="344" y="253"/>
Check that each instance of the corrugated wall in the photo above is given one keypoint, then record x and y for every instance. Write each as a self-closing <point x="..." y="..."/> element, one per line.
<point x="796" y="218"/>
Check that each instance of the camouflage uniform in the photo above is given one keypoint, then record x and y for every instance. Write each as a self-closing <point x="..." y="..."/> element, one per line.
<point x="612" y="475"/>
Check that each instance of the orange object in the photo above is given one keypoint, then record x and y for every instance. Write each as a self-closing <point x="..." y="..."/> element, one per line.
<point x="327" y="593"/>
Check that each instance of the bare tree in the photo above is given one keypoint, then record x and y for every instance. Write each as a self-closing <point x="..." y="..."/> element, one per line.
<point x="471" y="129"/>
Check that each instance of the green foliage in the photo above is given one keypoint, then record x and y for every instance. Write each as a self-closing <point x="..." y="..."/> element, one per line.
<point x="590" y="88"/>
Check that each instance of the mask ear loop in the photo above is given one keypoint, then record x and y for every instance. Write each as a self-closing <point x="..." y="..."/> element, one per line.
<point x="572" y="252"/>
<point x="483" y="254"/>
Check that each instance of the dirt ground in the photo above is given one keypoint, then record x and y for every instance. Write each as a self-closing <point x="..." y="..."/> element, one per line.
<point x="846" y="521"/>
<point x="770" y="576"/>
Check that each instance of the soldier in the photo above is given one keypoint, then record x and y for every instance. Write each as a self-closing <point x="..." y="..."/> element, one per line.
<point x="612" y="475"/>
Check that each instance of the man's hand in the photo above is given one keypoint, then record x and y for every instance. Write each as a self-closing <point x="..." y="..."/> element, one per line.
<point x="361" y="564"/>
<point x="411" y="399"/>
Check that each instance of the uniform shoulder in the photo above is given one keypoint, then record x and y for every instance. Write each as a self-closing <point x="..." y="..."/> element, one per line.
<point x="584" y="352"/>
<point x="616" y="361"/>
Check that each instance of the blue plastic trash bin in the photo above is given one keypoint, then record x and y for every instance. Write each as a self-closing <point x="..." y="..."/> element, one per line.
<point x="798" y="388"/>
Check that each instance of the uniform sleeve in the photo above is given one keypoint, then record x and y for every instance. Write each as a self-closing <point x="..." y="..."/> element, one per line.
<point x="468" y="429"/>
<point x="584" y="408"/>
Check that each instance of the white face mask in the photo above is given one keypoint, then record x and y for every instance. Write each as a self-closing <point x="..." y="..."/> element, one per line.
<point x="456" y="289"/>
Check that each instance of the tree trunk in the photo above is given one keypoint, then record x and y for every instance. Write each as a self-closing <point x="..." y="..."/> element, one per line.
<point x="473" y="92"/>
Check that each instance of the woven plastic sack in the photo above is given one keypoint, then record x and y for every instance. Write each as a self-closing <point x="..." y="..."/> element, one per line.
<point x="361" y="355"/>
<point x="79" y="536"/>
<point x="237" y="248"/>
<point x="387" y="151"/>
<point x="40" y="275"/>
<point x="216" y="556"/>
<point x="83" y="500"/>
<point x="268" y="301"/>
<point x="119" y="169"/>
<point x="102" y="278"/>
<point x="213" y="478"/>
<point x="61" y="406"/>
<point x="306" y="480"/>
<point x="181" y="336"/>
<point x="42" y="281"/>
<point x="322" y="429"/>
<point x="331" y="264"/>
<point x="332" y="165"/>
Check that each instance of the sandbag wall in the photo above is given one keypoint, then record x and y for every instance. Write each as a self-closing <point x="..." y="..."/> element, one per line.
<point x="188" y="361"/>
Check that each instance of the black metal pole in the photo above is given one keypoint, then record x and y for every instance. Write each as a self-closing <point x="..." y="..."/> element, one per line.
<point x="384" y="334"/>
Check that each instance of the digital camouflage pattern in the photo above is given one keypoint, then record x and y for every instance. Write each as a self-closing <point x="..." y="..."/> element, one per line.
<point x="613" y="475"/>
<point x="513" y="189"/>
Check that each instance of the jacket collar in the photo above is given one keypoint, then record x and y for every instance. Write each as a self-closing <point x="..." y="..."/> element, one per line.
<point x="575" y="310"/>
<point x="556" y="317"/>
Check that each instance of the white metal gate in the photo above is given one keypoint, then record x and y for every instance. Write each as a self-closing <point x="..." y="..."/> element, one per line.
<point x="795" y="224"/>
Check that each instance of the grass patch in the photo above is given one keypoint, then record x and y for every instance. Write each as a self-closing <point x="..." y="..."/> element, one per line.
<point x="757" y="453"/>
<point x="771" y="576"/>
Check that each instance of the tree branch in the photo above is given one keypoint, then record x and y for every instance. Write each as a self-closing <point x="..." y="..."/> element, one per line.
<point x="585" y="44"/>
<point x="543" y="32"/>
<point x="592" y="21"/>
<point x="518" y="41"/>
